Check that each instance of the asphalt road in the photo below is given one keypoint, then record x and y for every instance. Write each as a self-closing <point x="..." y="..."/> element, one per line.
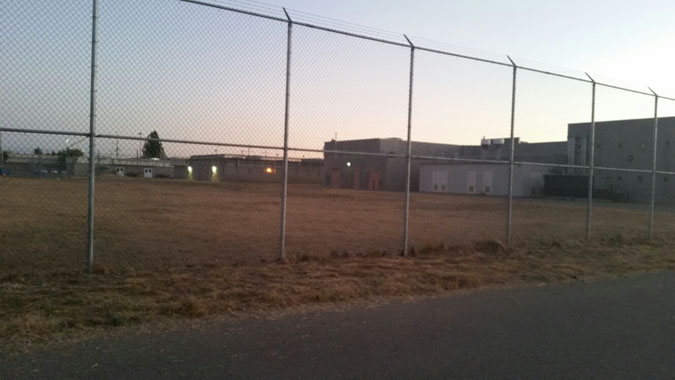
<point x="612" y="329"/>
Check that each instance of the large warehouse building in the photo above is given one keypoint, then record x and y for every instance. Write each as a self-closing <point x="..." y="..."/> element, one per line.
<point x="626" y="144"/>
<point x="344" y="170"/>
<point x="485" y="179"/>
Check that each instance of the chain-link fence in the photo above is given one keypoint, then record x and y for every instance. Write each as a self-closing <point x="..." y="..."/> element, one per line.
<point x="237" y="131"/>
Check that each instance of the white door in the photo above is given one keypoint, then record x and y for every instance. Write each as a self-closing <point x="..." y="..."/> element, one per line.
<point x="439" y="181"/>
<point x="471" y="182"/>
<point x="147" y="172"/>
<point x="487" y="182"/>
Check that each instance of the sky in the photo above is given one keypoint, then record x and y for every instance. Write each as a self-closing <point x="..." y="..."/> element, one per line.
<point x="626" y="40"/>
<point x="202" y="74"/>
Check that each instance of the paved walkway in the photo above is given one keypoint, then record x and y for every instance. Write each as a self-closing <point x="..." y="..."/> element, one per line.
<point x="612" y="329"/>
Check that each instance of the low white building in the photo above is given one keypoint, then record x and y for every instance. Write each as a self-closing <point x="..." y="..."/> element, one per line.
<point x="486" y="179"/>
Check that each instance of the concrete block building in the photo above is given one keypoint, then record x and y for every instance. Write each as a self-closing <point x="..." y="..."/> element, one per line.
<point x="253" y="169"/>
<point x="626" y="144"/>
<point x="484" y="179"/>
<point x="346" y="170"/>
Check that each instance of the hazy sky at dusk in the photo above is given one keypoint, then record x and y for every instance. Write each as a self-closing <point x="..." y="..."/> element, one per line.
<point x="202" y="74"/>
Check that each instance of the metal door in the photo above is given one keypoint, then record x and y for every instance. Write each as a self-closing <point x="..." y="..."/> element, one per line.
<point x="439" y="181"/>
<point x="487" y="182"/>
<point x="335" y="178"/>
<point x="471" y="182"/>
<point x="374" y="181"/>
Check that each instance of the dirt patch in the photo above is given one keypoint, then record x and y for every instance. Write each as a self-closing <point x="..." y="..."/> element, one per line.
<point x="490" y="246"/>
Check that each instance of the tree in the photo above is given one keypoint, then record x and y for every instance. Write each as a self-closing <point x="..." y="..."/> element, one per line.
<point x="64" y="153"/>
<point x="152" y="148"/>
<point x="37" y="151"/>
<point x="70" y="153"/>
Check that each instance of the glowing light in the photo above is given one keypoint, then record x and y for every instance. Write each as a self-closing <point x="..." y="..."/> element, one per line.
<point x="349" y="164"/>
<point x="189" y="169"/>
<point x="214" y="169"/>
<point x="269" y="170"/>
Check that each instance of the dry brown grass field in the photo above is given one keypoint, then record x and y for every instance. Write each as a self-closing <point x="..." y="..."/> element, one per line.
<point x="167" y="250"/>
<point x="144" y="224"/>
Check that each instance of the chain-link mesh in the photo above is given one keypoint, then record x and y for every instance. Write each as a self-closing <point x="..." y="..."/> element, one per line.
<point x="194" y="100"/>
<point x="44" y="76"/>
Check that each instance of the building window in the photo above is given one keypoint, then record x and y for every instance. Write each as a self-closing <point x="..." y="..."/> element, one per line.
<point x="639" y="178"/>
<point x="618" y="178"/>
<point x="665" y="179"/>
<point x="620" y="145"/>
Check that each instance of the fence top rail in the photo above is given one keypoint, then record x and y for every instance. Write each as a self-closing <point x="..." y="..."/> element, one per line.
<point x="419" y="46"/>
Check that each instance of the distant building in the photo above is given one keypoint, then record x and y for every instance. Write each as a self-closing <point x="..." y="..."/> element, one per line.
<point x="253" y="169"/>
<point x="129" y="167"/>
<point x="357" y="171"/>
<point x="46" y="165"/>
<point x="626" y="144"/>
<point x="484" y="179"/>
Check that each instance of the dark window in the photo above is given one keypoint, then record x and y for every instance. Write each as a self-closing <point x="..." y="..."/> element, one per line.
<point x="665" y="179"/>
<point x="620" y="145"/>
<point x="618" y="178"/>
<point x="639" y="178"/>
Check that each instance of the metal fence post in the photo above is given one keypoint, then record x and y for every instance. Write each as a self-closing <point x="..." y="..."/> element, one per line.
<point x="284" y="186"/>
<point x="656" y="140"/>
<point x="92" y="138"/>
<point x="409" y="149"/>
<point x="591" y="167"/>
<point x="509" y="216"/>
